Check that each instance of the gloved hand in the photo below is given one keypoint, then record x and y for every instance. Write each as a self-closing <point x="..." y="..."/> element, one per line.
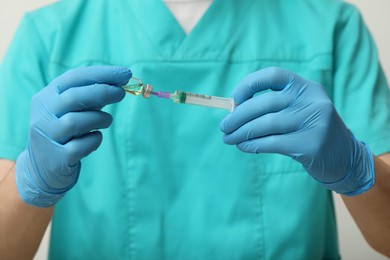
<point x="63" y="120"/>
<point x="298" y="119"/>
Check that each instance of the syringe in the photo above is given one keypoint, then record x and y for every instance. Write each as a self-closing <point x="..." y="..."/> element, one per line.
<point x="180" y="97"/>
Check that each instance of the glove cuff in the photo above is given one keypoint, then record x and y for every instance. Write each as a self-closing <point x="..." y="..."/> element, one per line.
<point x="28" y="189"/>
<point x="361" y="176"/>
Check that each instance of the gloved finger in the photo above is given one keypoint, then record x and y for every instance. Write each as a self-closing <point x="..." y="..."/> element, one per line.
<point x="86" y="98"/>
<point x="80" y="147"/>
<point x="269" y="144"/>
<point x="76" y="124"/>
<point x="270" y="78"/>
<point x="83" y="76"/>
<point x="255" y="107"/>
<point x="266" y="125"/>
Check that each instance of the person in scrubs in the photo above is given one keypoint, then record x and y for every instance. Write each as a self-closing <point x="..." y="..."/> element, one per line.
<point x="135" y="178"/>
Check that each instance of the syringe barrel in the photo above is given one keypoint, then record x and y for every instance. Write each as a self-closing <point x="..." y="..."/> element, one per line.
<point x="203" y="100"/>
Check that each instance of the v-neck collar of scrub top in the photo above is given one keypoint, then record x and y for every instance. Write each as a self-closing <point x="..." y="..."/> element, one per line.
<point x="210" y="34"/>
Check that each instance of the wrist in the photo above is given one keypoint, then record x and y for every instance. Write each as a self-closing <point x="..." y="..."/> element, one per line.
<point x="30" y="189"/>
<point x="361" y="176"/>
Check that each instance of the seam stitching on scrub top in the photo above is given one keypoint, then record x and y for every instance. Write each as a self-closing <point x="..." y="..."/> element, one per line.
<point x="192" y="61"/>
<point x="250" y="6"/>
<point x="379" y="144"/>
<point x="379" y="141"/>
<point x="31" y="19"/>
<point x="11" y="147"/>
<point x="259" y="213"/>
<point x="144" y="32"/>
<point x="33" y="24"/>
<point x="270" y="174"/>
<point x="236" y="61"/>
<point x="262" y="241"/>
<point x="129" y="242"/>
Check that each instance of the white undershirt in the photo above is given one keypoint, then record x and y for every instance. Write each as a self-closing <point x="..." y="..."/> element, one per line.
<point x="187" y="12"/>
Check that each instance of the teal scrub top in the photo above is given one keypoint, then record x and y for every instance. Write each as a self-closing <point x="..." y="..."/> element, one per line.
<point x="163" y="185"/>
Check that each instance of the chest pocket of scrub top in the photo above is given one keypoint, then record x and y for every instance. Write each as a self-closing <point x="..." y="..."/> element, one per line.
<point x="319" y="70"/>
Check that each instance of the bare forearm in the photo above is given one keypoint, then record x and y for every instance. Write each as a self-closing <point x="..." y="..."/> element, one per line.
<point x="371" y="210"/>
<point x="21" y="226"/>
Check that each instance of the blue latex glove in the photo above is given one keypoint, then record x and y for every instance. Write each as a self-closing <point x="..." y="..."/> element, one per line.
<point x="298" y="119"/>
<point x="63" y="120"/>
